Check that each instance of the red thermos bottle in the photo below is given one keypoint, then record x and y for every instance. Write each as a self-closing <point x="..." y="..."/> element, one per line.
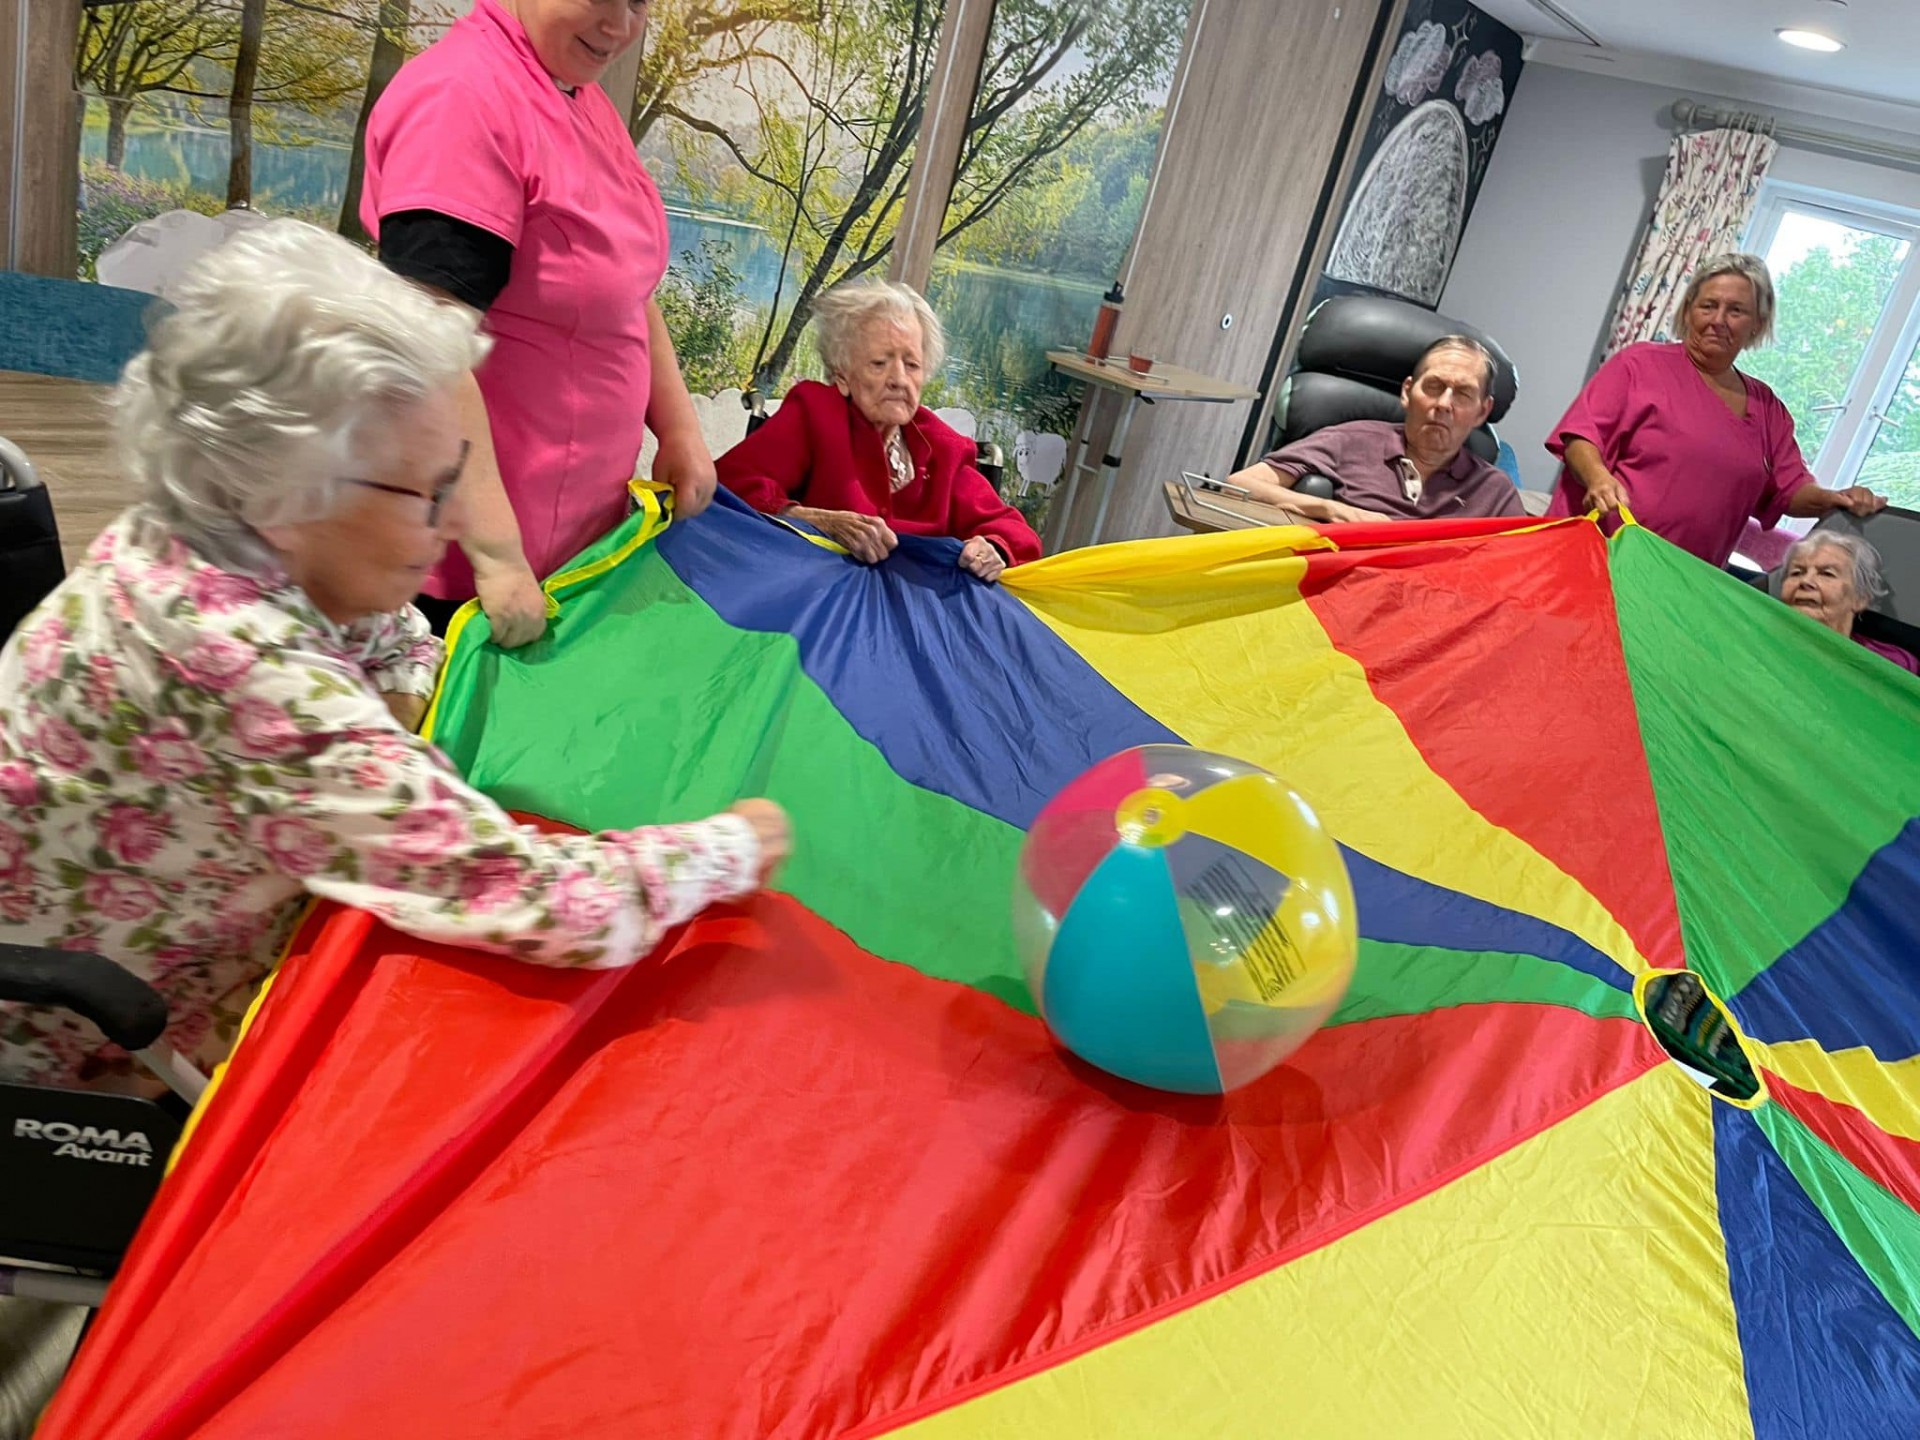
<point x="1104" y="323"/>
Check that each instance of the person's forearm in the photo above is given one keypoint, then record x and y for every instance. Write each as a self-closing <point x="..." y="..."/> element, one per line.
<point x="1267" y="485"/>
<point x="492" y="537"/>
<point x="1317" y="508"/>
<point x="1813" y="500"/>
<point x="670" y="411"/>
<point x="1583" y="459"/>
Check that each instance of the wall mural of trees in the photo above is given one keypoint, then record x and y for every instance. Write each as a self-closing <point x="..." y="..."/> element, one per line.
<point x="783" y="134"/>
<point x="214" y="61"/>
<point x="1053" y="174"/>
<point x="206" y="104"/>
<point x="809" y="137"/>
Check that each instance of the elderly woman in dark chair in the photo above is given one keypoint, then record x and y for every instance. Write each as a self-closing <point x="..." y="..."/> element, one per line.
<point x="1832" y="577"/>
<point x="861" y="460"/>
<point x="211" y="718"/>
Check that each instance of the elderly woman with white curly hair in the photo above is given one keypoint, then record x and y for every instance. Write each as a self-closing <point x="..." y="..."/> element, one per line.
<point x="861" y="460"/>
<point x="1834" y="577"/>
<point x="1676" y="433"/>
<point x="210" y="719"/>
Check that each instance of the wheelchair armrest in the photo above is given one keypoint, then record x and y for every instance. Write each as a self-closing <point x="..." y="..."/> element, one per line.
<point x="992" y="463"/>
<point x="755" y="405"/>
<point x="128" y="1011"/>
<point x="1317" y="485"/>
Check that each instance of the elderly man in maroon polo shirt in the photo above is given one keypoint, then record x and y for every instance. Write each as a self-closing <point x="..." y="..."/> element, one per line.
<point x="1419" y="470"/>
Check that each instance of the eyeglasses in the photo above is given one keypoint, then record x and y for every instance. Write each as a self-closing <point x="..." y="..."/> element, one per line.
<point x="437" y="501"/>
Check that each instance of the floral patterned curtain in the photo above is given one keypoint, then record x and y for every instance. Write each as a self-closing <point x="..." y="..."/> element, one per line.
<point x="1711" y="186"/>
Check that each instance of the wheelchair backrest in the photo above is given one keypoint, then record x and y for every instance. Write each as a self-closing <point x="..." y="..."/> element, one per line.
<point x="81" y="1169"/>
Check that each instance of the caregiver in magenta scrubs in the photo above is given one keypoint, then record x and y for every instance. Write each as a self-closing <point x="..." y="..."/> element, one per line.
<point x="1684" y="440"/>
<point x="500" y="174"/>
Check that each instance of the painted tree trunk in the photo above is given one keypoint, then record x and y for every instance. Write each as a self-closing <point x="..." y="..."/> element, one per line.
<point x="246" y="68"/>
<point x="118" y="108"/>
<point x="389" y="50"/>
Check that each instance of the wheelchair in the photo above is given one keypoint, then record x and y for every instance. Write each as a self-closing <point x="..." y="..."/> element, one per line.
<point x="82" y="1167"/>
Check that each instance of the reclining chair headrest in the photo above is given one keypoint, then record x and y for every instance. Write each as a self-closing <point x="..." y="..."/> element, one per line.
<point x="1376" y="340"/>
<point x="1310" y="402"/>
<point x="1354" y="353"/>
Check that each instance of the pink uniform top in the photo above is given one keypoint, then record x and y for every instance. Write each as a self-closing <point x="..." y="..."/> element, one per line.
<point x="1693" y="470"/>
<point x="1903" y="658"/>
<point x="475" y="128"/>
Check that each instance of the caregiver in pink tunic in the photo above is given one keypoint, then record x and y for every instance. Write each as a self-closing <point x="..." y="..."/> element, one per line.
<point x="499" y="173"/>
<point x="1690" y="445"/>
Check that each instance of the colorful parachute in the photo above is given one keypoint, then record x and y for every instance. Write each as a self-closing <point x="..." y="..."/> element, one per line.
<point x="816" y="1171"/>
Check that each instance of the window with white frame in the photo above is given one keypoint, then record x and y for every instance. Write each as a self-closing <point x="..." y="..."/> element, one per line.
<point x="1846" y="352"/>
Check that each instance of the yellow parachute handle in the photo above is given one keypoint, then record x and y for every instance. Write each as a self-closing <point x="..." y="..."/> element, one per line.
<point x="1625" y="513"/>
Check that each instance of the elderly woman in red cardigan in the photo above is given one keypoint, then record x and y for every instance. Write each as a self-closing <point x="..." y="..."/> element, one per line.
<point x="861" y="460"/>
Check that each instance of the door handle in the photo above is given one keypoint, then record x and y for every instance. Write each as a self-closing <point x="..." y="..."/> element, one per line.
<point x="1826" y="409"/>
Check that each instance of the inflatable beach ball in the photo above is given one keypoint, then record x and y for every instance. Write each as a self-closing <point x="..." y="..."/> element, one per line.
<point x="1185" y="921"/>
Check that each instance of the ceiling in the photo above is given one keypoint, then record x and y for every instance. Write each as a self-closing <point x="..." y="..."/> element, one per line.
<point x="1882" y="37"/>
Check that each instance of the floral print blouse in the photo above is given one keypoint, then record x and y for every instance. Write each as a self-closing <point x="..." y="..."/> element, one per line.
<point x="188" y="751"/>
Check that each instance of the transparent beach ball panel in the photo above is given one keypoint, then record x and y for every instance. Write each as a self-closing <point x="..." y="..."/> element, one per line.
<point x="1184" y="919"/>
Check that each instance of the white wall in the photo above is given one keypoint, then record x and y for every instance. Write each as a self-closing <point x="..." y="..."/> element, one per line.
<point x="1560" y="216"/>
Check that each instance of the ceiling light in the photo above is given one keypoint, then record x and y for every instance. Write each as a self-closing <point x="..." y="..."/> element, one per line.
<point x="1811" y="40"/>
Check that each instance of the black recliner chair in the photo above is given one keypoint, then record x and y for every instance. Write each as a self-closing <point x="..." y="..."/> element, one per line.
<point x="1354" y="353"/>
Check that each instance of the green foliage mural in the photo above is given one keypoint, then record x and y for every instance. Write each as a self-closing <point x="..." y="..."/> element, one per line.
<point x="700" y="299"/>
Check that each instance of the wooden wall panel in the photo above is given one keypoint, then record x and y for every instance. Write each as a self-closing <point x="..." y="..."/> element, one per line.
<point x="1263" y="120"/>
<point x="964" y="28"/>
<point x="39" y="201"/>
<point x="9" y="80"/>
<point x="1280" y="361"/>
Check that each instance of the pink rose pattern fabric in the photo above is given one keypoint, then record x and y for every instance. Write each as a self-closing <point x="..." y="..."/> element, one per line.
<point x="188" y="752"/>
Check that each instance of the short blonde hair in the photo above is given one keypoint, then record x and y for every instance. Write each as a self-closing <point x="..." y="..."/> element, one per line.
<point x="1750" y="268"/>
<point x="282" y="359"/>
<point x="843" y="312"/>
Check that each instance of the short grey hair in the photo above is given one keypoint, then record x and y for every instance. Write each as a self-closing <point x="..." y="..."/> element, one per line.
<point x="282" y="360"/>
<point x="1750" y="268"/>
<point x="842" y="313"/>
<point x="1464" y="343"/>
<point x="1869" y="584"/>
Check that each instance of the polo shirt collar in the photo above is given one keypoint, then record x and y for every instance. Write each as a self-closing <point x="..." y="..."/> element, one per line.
<point x="490" y="15"/>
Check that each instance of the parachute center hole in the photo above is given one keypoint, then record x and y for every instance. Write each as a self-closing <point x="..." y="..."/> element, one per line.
<point x="1687" y="1020"/>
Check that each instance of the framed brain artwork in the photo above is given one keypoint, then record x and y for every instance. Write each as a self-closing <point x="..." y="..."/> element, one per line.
<point x="1443" y="97"/>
